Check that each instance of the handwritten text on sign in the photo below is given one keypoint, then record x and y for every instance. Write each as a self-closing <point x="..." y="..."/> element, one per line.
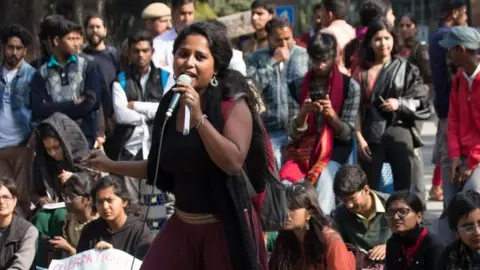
<point x="110" y="259"/>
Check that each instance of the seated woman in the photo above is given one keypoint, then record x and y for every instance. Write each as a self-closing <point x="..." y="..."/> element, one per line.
<point x="464" y="220"/>
<point x="18" y="238"/>
<point x="308" y="241"/>
<point x="78" y="201"/>
<point x="411" y="246"/>
<point x="118" y="226"/>
<point x="60" y="148"/>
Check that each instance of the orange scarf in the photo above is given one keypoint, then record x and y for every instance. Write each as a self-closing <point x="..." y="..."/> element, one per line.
<point x="306" y="157"/>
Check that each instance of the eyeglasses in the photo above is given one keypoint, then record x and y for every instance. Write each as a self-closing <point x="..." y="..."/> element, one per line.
<point x="402" y="212"/>
<point x="6" y="198"/>
<point x="468" y="228"/>
<point x="354" y="199"/>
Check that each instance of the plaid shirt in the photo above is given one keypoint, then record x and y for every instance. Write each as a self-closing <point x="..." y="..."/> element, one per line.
<point x="347" y="115"/>
<point x="280" y="89"/>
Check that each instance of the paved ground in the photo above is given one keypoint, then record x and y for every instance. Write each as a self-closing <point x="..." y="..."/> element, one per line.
<point x="434" y="209"/>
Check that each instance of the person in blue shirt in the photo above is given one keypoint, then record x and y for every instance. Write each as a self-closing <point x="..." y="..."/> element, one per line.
<point x="454" y="13"/>
<point x="15" y="115"/>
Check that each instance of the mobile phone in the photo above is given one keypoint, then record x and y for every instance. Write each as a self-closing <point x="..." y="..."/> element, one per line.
<point x="318" y="94"/>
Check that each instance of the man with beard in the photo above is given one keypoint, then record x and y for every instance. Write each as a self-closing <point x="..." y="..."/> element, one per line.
<point x="67" y="83"/>
<point x="15" y="116"/>
<point x="136" y="96"/>
<point x="183" y="14"/>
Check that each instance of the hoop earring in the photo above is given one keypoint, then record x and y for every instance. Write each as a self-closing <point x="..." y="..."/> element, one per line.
<point x="307" y="226"/>
<point x="214" y="81"/>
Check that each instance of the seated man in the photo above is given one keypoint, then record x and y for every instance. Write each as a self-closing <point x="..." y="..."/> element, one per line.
<point x="60" y="148"/>
<point x="360" y="219"/>
<point x="322" y="132"/>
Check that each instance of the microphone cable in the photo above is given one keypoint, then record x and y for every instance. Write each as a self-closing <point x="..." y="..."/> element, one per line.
<point x="154" y="184"/>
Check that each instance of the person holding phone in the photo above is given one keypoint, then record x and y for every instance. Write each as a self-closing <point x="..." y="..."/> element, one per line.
<point x="393" y="99"/>
<point x="322" y="131"/>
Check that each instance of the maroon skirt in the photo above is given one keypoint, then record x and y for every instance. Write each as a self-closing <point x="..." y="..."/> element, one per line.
<point x="185" y="246"/>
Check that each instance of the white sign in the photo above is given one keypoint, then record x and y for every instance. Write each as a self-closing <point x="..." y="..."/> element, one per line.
<point x="109" y="259"/>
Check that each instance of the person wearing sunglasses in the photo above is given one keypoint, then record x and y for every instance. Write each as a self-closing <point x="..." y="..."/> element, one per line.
<point x="411" y="246"/>
<point x="464" y="221"/>
<point x="308" y="240"/>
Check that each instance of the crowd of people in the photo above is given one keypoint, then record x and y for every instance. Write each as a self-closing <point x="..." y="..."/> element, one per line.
<point x="88" y="160"/>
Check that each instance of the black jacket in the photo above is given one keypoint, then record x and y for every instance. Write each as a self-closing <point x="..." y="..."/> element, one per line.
<point x="426" y="257"/>
<point x="130" y="238"/>
<point x="398" y="79"/>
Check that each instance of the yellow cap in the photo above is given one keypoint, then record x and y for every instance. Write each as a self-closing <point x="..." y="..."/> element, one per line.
<point x="156" y="10"/>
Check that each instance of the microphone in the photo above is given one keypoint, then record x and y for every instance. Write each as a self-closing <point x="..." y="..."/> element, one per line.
<point x="185" y="79"/>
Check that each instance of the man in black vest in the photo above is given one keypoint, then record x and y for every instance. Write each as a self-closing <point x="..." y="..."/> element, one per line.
<point x="136" y="96"/>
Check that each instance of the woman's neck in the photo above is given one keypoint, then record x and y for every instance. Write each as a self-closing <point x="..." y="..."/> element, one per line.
<point x="85" y="216"/>
<point x="300" y="233"/>
<point x="383" y="60"/>
<point x="118" y="223"/>
<point x="5" y="221"/>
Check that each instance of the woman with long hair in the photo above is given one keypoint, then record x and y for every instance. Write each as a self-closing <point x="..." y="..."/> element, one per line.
<point x="119" y="225"/>
<point x="411" y="245"/>
<point x="393" y="98"/>
<point x="209" y="229"/>
<point x="308" y="240"/>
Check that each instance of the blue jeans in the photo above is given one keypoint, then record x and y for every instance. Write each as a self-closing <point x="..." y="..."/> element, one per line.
<point x="325" y="193"/>
<point x="279" y="140"/>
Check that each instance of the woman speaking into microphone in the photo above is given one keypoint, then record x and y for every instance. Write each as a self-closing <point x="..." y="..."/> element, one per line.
<point x="209" y="229"/>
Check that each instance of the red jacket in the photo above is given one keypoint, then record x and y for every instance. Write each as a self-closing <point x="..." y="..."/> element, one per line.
<point x="464" y="120"/>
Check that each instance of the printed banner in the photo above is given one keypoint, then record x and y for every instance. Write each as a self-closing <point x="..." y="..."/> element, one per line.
<point x="109" y="259"/>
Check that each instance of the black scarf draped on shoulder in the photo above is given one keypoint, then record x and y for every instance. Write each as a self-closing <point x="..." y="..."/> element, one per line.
<point x="230" y="192"/>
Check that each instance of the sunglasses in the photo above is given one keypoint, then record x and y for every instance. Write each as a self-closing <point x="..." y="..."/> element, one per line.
<point x="296" y="188"/>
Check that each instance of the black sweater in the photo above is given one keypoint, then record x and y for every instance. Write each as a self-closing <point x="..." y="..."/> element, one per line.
<point x="129" y="238"/>
<point x="426" y="257"/>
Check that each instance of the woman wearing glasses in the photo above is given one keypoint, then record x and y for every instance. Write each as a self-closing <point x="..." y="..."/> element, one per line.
<point x="308" y="240"/>
<point x="411" y="246"/>
<point x="18" y="237"/>
<point x="464" y="220"/>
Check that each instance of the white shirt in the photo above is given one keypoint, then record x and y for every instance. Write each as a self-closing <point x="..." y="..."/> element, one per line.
<point x="163" y="45"/>
<point x="141" y="113"/>
<point x="10" y="133"/>
<point x="237" y="63"/>
<point x="470" y="79"/>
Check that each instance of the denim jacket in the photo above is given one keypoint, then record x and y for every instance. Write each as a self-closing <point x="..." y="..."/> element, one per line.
<point x="20" y="95"/>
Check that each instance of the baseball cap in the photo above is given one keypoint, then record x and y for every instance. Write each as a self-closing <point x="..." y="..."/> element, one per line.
<point x="465" y="36"/>
<point x="156" y="10"/>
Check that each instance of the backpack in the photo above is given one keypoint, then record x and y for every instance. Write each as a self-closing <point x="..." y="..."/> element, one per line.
<point x="267" y="193"/>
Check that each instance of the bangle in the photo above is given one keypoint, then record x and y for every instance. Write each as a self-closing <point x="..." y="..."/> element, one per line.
<point x="201" y="121"/>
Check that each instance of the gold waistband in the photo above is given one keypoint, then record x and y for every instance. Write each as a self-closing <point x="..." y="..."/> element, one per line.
<point x="197" y="219"/>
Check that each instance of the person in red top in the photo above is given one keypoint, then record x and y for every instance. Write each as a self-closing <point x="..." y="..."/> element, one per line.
<point x="308" y="240"/>
<point x="463" y="124"/>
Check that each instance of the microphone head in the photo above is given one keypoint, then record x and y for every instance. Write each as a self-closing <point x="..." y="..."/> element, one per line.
<point x="185" y="79"/>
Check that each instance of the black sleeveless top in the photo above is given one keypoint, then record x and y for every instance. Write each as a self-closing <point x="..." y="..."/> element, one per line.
<point x="187" y="160"/>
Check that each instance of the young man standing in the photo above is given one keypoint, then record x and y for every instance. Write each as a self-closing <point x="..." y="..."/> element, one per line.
<point x="316" y="22"/>
<point x="67" y="83"/>
<point x="279" y="71"/>
<point x="15" y="115"/>
<point x="183" y="14"/>
<point x="454" y="13"/>
<point x="136" y="96"/>
<point x="263" y="11"/>
<point x="333" y="14"/>
<point x="463" y="124"/>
